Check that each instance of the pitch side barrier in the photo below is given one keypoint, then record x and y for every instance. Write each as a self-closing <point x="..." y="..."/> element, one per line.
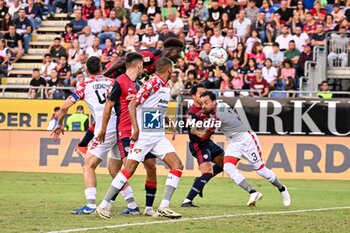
<point x="286" y="116"/>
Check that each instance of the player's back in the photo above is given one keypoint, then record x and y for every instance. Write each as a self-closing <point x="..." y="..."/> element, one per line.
<point x="231" y="124"/>
<point x="95" y="95"/>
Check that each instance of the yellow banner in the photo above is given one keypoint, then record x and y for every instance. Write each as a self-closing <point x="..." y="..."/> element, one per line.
<point x="36" y="114"/>
<point x="289" y="157"/>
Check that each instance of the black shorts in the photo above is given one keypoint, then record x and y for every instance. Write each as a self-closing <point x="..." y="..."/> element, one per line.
<point x="124" y="146"/>
<point x="205" y="151"/>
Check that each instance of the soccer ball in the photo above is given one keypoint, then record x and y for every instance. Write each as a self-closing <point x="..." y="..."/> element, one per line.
<point x="218" y="56"/>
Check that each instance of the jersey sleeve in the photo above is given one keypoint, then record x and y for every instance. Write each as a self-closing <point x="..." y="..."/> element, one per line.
<point x="114" y="91"/>
<point x="78" y="93"/>
<point x="147" y="89"/>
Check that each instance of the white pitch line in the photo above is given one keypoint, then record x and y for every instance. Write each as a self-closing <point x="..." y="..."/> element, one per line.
<point x="201" y="218"/>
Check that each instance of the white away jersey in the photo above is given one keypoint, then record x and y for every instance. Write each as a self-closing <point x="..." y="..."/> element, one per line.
<point x="231" y="124"/>
<point x="152" y="98"/>
<point x="94" y="92"/>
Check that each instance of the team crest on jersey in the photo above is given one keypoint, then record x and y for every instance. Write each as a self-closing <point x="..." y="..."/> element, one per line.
<point x="137" y="150"/>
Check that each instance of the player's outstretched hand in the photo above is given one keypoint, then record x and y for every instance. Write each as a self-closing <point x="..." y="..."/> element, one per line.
<point x="57" y="131"/>
<point x="101" y="136"/>
<point x="135" y="135"/>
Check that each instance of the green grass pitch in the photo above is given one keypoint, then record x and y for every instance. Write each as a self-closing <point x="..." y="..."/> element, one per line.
<point x="39" y="202"/>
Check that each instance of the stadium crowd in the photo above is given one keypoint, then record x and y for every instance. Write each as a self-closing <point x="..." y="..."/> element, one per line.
<point x="268" y="42"/>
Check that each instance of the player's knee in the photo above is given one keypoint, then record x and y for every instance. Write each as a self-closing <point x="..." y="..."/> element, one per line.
<point x="267" y="174"/>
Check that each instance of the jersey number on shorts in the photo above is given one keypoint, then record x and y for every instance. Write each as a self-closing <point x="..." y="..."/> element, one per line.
<point x="255" y="158"/>
<point x="100" y="100"/>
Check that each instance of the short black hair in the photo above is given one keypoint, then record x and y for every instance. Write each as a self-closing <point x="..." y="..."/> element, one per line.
<point x="192" y="72"/>
<point x="211" y="95"/>
<point x="93" y="65"/>
<point x="162" y="64"/>
<point x="56" y="109"/>
<point x="275" y="44"/>
<point x="195" y="88"/>
<point x="80" y="108"/>
<point x="57" y="38"/>
<point x="36" y="69"/>
<point x="323" y="82"/>
<point x="62" y="55"/>
<point x="130" y="57"/>
<point x="47" y="54"/>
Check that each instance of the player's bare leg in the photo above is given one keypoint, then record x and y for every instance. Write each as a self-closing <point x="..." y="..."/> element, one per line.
<point x="230" y="163"/>
<point x="117" y="185"/>
<point x="150" y="185"/>
<point x="208" y="172"/>
<point x="172" y="181"/>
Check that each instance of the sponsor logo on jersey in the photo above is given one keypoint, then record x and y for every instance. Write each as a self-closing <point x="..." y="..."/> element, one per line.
<point x="100" y="86"/>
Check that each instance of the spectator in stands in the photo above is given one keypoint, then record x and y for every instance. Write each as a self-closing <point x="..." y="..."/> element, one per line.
<point x="88" y="9"/>
<point x="236" y="80"/>
<point x="329" y="24"/>
<point x="87" y="39"/>
<point x="78" y="121"/>
<point x="317" y="12"/>
<point x="135" y="16"/>
<point x="80" y="78"/>
<point x="186" y="13"/>
<point x="158" y="23"/>
<point x="169" y="8"/>
<point x="305" y="56"/>
<point x="339" y="49"/>
<point x="5" y="24"/>
<point x="80" y="67"/>
<point x="318" y="39"/>
<point x="68" y="36"/>
<point x="200" y="39"/>
<point x="14" y="43"/>
<point x="285" y="12"/>
<point x="337" y="13"/>
<point x="33" y="13"/>
<point x="259" y="85"/>
<point x="301" y="10"/>
<point x="165" y="33"/>
<point x="217" y="40"/>
<point x="153" y="9"/>
<point x="267" y="9"/>
<point x="269" y="73"/>
<point x="62" y="4"/>
<point x="215" y="11"/>
<point x="258" y="54"/>
<point x="36" y="81"/>
<point x="3" y="11"/>
<point x="107" y="52"/>
<point x="175" y="24"/>
<point x="176" y="85"/>
<point x="5" y="55"/>
<point x="52" y="82"/>
<point x="14" y="9"/>
<point x="105" y="10"/>
<point x="95" y="49"/>
<point x="96" y="23"/>
<point x="201" y="12"/>
<point x="300" y="38"/>
<point x="78" y="22"/>
<point x="292" y="53"/>
<point x="73" y="53"/>
<point x="232" y="9"/>
<point x="204" y="55"/>
<point x="24" y="28"/>
<point x="324" y="92"/>
<point x="276" y="56"/>
<point x="45" y="8"/>
<point x="250" y="72"/>
<point x="141" y="27"/>
<point x="130" y="40"/>
<point x="190" y="79"/>
<point x="64" y="71"/>
<point x="254" y="37"/>
<point x="242" y="25"/>
<point x="191" y="55"/>
<point x="118" y="8"/>
<point x="241" y="55"/>
<point x="287" y="70"/>
<point x="47" y="67"/>
<point x="252" y="11"/>
<point x="296" y="22"/>
<point x="56" y="50"/>
<point x="284" y="38"/>
<point x="310" y="24"/>
<point x="110" y="27"/>
<point x="149" y="39"/>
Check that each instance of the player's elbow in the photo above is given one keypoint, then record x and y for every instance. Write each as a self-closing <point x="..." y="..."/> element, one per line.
<point x="132" y="105"/>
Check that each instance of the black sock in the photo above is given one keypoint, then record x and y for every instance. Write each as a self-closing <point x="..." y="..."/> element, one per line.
<point x="282" y="189"/>
<point x="114" y="197"/>
<point x="198" y="185"/>
<point x="217" y="169"/>
<point x="150" y="195"/>
<point x="87" y="138"/>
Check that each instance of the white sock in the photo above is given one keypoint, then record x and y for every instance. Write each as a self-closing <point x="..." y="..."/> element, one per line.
<point x="127" y="193"/>
<point x="149" y="208"/>
<point x="90" y="195"/>
<point x="186" y="201"/>
<point x="164" y="204"/>
<point x="104" y="204"/>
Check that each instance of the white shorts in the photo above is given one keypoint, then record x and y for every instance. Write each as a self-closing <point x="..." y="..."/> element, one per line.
<point x="101" y="150"/>
<point x="247" y="148"/>
<point x="159" y="146"/>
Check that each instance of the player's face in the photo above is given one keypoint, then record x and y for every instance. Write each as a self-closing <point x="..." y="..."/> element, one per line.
<point x="197" y="96"/>
<point x="207" y="104"/>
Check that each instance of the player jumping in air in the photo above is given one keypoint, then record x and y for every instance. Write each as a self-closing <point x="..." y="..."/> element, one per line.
<point x="242" y="143"/>
<point x="122" y="92"/>
<point x="94" y="92"/>
<point x="150" y="101"/>
<point x="202" y="148"/>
